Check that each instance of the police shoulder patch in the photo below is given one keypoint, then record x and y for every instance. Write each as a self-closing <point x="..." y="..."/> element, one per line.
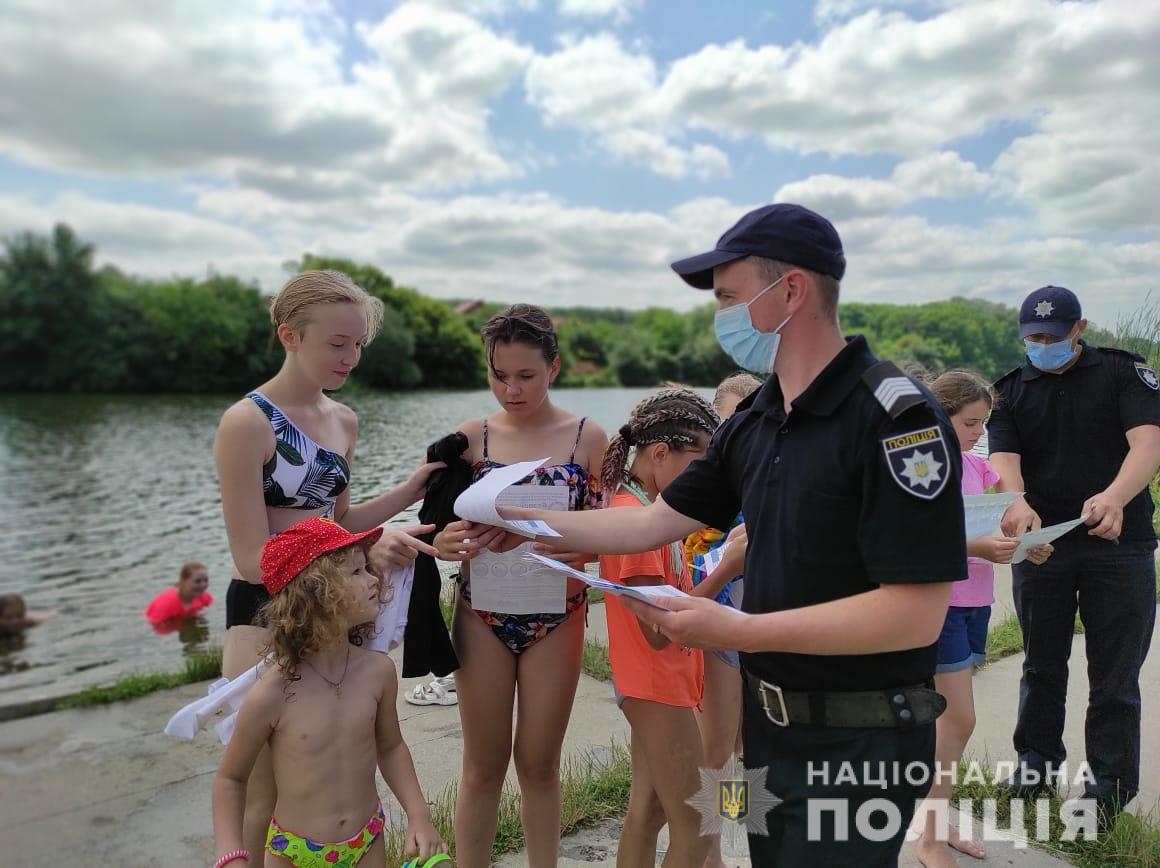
<point x="1147" y="376"/>
<point x="918" y="461"/>
<point x="895" y="391"/>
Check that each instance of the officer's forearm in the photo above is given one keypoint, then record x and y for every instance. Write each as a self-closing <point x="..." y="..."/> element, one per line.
<point x="1009" y="466"/>
<point x="615" y="531"/>
<point x="889" y="618"/>
<point x="1139" y="465"/>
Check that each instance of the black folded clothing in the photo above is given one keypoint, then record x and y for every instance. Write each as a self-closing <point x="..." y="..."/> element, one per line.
<point x="426" y="641"/>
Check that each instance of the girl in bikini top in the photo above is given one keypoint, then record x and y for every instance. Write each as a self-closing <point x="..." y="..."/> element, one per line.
<point x="300" y="474"/>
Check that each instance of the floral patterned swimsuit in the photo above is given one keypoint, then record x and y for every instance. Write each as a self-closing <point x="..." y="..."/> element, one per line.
<point x="521" y="632"/>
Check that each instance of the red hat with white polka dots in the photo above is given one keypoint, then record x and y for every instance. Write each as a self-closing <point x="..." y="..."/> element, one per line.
<point x="286" y="555"/>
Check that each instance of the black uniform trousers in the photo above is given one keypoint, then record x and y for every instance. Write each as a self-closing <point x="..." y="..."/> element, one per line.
<point x="787" y="753"/>
<point x="1114" y="589"/>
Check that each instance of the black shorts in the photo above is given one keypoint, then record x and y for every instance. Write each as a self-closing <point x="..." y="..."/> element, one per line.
<point x="243" y="602"/>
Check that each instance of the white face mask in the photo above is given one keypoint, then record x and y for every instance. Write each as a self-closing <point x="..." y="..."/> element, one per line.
<point x="753" y="350"/>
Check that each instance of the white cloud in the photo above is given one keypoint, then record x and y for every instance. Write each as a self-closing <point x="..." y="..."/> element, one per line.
<point x="596" y="86"/>
<point x="130" y="87"/>
<point x="618" y="10"/>
<point x="830" y="11"/>
<point x="941" y="175"/>
<point x="664" y="158"/>
<point x="258" y="114"/>
<point x="840" y="198"/>
<point x="142" y="239"/>
<point x="1090" y="166"/>
<point x="1080" y="75"/>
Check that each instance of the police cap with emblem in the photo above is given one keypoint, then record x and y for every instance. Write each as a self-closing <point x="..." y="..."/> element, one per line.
<point x="787" y="233"/>
<point x="1050" y="310"/>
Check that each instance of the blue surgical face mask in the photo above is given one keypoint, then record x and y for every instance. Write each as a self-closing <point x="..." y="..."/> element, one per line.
<point x="753" y="350"/>
<point x="1050" y="357"/>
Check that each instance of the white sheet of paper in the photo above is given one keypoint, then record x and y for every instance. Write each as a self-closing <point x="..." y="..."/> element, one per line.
<point x="478" y="502"/>
<point x="509" y="582"/>
<point x="1044" y="535"/>
<point x="711" y="559"/>
<point x="985" y="511"/>
<point x="649" y="594"/>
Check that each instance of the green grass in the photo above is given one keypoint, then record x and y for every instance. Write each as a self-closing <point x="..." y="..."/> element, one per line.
<point x="594" y="661"/>
<point x="200" y="666"/>
<point x="593" y="788"/>
<point x="1133" y="841"/>
<point x="447" y="604"/>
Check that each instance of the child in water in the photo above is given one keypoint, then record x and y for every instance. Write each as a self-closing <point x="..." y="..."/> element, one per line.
<point x="183" y="600"/>
<point x="328" y="720"/>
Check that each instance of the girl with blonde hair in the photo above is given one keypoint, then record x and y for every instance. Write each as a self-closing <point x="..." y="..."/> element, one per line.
<point x="283" y="453"/>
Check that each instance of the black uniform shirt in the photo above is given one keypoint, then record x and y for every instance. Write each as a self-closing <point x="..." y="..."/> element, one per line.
<point x="1068" y="430"/>
<point x="839" y="497"/>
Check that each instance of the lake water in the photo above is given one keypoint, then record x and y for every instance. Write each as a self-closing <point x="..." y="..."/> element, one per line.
<point x="102" y="498"/>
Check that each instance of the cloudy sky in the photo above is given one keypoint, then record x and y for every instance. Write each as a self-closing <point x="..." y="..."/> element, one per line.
<point x="564" y="151"/>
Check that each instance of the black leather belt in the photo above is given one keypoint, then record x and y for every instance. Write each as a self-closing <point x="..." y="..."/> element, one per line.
<point x="896" y="707"/>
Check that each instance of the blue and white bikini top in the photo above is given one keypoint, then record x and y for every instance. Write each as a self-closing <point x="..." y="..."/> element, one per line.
<point x="300" y="474"/>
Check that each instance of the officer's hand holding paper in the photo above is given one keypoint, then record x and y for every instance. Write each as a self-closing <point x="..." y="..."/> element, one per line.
<point x="478" y="503"/>
<point x="1035" y="538"/>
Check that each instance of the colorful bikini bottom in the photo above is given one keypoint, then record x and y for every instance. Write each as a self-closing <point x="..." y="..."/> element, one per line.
<point x="304" y="853"/>
<point x="521" y="632"/>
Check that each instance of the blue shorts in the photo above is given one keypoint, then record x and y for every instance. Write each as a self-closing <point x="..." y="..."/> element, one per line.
<point x="963" y="641"/>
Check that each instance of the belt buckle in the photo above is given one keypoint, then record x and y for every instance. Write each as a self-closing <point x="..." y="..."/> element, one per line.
<point x="763" y="694"/>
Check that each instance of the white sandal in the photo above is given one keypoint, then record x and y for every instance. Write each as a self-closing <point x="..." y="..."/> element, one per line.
<point x="440" y="691"/>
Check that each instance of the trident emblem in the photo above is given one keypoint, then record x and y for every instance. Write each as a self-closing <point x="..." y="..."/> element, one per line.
<point x="733" y="800"/>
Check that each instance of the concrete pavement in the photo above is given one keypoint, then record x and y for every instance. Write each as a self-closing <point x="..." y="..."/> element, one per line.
<point x="103" y="786"/>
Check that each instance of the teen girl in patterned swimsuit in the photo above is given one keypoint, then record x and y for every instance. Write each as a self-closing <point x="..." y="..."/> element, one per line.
<point x="499" y="652"/>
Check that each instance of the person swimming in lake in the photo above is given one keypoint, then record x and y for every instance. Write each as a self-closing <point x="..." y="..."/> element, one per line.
<point x="183" y="600"/>
<point x="15" y="617"/>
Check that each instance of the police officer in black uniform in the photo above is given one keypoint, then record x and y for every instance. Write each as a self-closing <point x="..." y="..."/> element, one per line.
<point x="847" y="474"/>
<point x="1078" y="428"/>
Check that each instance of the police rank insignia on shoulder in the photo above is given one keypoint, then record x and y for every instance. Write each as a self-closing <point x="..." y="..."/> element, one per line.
<point x="1146" y="374"/>
<point x="918" y="461"/>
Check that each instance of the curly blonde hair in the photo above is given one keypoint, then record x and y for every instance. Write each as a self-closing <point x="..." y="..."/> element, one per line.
<point x="306" y="615"/>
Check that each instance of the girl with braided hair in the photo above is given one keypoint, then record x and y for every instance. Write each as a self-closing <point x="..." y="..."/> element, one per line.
<point x="658" y="684"/>
<point x="500" y="653"/>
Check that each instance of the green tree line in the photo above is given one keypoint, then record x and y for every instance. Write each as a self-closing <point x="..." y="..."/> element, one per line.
<point x="68" y="326"/>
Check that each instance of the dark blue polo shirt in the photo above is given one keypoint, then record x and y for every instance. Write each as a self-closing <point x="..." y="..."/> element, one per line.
<point x="839" y="497"/>
<point x="1068" y="431"/>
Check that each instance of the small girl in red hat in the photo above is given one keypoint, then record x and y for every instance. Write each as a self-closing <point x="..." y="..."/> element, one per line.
<point x="329" y="720"/>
